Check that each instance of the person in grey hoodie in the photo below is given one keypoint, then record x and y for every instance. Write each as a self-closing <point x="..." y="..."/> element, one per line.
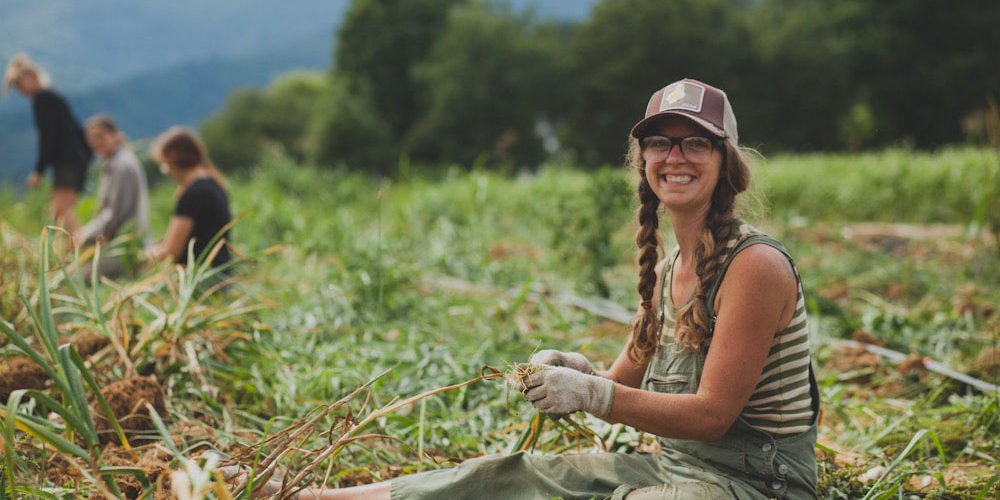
<point x="123" y="194"/>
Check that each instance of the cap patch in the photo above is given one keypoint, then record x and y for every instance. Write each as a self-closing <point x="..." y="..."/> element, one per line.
<point x="683" y="95"/>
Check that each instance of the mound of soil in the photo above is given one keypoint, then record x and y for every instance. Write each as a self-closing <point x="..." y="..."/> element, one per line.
<point x="87" y="342"/>
<point x="153" y="461"/>
<point x="20" y="372"/>
<point x="855" y="360"/>
<point x="987" y="365"/>
<point x="127" y="399"/>
<point x="59" y="471"/>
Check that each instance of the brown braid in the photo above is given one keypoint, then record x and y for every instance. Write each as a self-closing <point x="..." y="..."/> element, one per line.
<point x="646" y="327"/>
<point x="692" y="320"/>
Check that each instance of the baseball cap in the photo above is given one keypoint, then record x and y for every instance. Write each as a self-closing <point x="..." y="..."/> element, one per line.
<point x="700" y="102"/>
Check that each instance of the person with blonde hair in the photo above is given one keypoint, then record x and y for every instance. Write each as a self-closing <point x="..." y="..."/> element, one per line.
<point x="61" y="141"/>
<point x="202" y="210"/>
<point x="717" y="363"/>
<point x="123" y="196"/>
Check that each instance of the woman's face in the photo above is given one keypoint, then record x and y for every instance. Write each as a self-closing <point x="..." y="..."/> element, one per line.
<point x="683" y="183"/>
<point x="27" y="84"/>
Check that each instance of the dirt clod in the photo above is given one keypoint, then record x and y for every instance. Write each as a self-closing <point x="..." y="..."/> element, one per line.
<point x="20" y="373"/>
<point x="87" y="342"/>
<point x="154" y="462"/>
<point x="127" y="399"/>
<point x="987" y="364"/>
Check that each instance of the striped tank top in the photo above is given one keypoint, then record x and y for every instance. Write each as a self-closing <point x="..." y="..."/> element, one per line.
<point x="781" y="402"/>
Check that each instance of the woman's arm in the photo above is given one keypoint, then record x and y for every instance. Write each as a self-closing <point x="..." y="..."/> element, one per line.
<point x="756" y="299"/>
<point x="174" y="244"/>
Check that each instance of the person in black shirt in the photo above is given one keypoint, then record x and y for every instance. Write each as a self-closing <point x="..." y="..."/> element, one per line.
<point x="61" y="141"/>
<point x="202" y="210"/>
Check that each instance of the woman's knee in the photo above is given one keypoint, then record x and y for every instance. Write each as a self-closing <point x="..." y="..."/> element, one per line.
<point x="693" y="490"/>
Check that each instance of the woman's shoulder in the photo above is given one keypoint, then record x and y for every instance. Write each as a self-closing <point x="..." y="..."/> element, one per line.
<point x="204" y="188"/>
<point x="762" y="267"/>
<point x="47" y="97"/>
<point x="757" y="257"/>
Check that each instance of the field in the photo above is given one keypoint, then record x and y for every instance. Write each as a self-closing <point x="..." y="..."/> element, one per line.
<point x="360" y="303"/>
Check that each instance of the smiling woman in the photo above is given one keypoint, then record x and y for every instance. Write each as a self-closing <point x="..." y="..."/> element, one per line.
<point x="717" y="365"/>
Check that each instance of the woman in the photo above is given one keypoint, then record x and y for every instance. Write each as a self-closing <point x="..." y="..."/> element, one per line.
<point x="202" y="210"/>
<point x="717" y="364"/>
<point x="61" y="142"/>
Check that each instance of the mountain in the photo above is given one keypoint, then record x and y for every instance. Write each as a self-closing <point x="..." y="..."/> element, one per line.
<point x="147" y="104"/>
<point x="151" y="65"/>
<point x="96" y="42"/>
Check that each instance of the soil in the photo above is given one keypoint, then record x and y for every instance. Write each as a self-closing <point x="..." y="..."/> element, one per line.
<point x="127" y="399"/>
<point x="848" y="359"/>
<point x="115" y="456"/>
<point x="152" y="460"/>
<point x="59" y="471"/>
<point x="20" y="372"/>
<point x="987" y="365"/>
<point x="87" y="342"/>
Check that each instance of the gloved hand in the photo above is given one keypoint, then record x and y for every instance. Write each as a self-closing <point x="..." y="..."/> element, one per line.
<point x="559" y="391"/>
<point x="572" y="360"/>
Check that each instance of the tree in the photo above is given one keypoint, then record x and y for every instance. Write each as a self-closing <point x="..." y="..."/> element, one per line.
<point x="928" y="64"/>
<point x="628" y="49"/>
<point x="349" y="131"/>
<point x="232" y="135"/>
<point x="803" y="93"/>
<point x="377" y="46"/>
<point x="252" y="117"/>
<point x="491" y="78"/>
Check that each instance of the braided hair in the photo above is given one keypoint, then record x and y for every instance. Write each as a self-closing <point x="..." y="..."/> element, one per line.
<point x="692" y="325"/>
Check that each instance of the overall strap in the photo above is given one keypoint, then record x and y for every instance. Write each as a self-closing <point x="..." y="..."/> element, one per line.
<point x="671" y="259"/>
<point x="740" y="246"/>
<point x="710" y="299"/>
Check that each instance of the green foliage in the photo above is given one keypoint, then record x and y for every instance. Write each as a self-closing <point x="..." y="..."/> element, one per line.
<point x="890" y="185"/>
<point x="77" y="438"/>
<point x="490" y="78"/>
<point x="434" y="277"/>
<point x="377" y="46"/>
<point x="925" y="65"/>
<point x="802" y="87"/>
<point x="628" y="49"/>
<point x="350" y="132"/>
<point x="584" y="225"/>
<point x="232" y="136"/>
<point x="253" y="119"/>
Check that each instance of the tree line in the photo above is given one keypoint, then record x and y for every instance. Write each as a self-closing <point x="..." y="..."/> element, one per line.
<point x="473" y="82"/>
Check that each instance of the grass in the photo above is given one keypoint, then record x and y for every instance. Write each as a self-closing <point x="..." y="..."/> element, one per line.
<point x="358" y="295"/>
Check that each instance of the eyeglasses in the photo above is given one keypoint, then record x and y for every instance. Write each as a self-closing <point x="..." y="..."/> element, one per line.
<point x="696" y="149"/>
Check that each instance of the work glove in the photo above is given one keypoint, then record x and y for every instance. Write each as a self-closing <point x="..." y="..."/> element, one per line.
<point x="558" y="390"/>
<point x="553" y="357"/>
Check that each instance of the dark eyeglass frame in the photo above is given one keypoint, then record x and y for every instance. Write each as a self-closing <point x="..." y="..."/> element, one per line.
<point x="684" y="143"/>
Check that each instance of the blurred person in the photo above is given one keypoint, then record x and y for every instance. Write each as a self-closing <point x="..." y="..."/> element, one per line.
<point x="123" y="195"/>
<point x="202" y="209"/>
<point x="61" y="141"/>
<point x="717" y="364"/>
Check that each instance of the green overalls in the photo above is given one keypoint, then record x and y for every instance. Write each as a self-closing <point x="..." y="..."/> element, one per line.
<point x="744" y="464"/>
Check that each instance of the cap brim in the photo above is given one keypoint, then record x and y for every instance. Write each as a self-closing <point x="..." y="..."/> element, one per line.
<point x="638" y="131"/>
